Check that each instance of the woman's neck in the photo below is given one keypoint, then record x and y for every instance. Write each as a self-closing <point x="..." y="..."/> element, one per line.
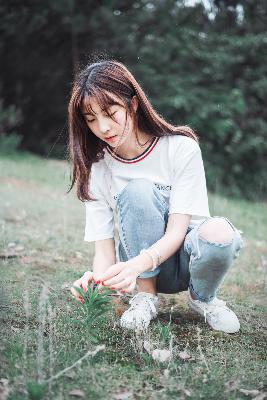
<point x="131" y="149"/>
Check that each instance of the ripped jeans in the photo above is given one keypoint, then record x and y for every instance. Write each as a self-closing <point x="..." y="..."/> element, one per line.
<point x="198" y="264"/>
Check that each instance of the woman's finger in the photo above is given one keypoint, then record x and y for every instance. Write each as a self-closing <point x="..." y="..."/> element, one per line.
<point x="112" y="271"/>
<point x="130" y="288"/>
<point x="85" y="279"/>
<point x="114" y="281"/>
<point x="74" y="293"/>
<point x="122" y="285"/>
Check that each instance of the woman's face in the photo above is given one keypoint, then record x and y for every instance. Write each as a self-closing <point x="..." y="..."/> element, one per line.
<point x="113" y="131"/>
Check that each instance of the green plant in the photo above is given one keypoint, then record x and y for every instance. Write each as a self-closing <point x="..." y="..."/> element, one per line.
<point x="164" y="332"/>
<point x="36" y="390"/>
<point x="96" y="304"/>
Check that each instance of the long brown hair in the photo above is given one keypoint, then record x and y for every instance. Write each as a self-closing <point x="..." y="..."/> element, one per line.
<point x="97" y="80"/>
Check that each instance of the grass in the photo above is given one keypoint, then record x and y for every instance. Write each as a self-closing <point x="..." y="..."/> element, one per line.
<point x="41" y="325"/>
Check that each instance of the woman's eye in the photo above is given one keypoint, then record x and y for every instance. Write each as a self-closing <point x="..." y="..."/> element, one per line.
<point x="111" y="114"/>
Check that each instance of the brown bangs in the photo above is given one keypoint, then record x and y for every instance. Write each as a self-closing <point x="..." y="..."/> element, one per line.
<point x="104" y="99"/>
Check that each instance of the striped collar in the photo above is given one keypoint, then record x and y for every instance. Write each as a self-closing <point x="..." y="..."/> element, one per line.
<point x="136" y="159"/>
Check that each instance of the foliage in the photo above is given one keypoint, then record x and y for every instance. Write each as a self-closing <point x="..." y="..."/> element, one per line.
<point x="164" y="333"/>
<point x="36" y="390"/>
<point x="10" y="118"/>
<point x="204" y="67"/>
<point x="96" y="304"/>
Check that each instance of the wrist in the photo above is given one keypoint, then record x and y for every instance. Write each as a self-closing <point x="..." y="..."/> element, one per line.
<point x="142" y="263"/>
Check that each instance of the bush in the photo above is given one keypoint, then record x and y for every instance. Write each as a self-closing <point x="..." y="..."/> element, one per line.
<point x="10" y="118"/>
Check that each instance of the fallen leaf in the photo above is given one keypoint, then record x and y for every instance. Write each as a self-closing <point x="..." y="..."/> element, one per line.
<point x="161" y="355"/>
<point x="19" y="248"/>
<point x="261" y="396"/>
<point x="77" y="393"/>
<point x="119" y="307"/>
<point x="4" y="388"/>
<point x="187" y="392"/>
<point x="148" y="346"/>
<point x="184" y="355"/>
<point x="166" y="373"/>
<point x="122" y="395"/>
<point x="248" y="392"/>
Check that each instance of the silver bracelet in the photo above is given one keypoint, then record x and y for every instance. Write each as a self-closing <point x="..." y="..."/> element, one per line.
<point x="158" y="254"/>
<point x="154" y="260"/>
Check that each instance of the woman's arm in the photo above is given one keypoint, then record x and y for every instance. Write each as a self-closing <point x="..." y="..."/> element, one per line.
<point x="169" y="244"/>
<point x="123" y="275"/>
<point x="105" y="255"/>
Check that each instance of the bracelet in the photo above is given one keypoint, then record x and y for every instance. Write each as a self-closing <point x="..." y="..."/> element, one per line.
<point x="158" y="254"/>
<point x="155" y="261"/>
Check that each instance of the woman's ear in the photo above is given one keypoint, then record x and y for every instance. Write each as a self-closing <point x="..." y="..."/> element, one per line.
<point x="134" y="103"/>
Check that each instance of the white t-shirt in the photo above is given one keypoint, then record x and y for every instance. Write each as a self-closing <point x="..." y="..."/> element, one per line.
<point x="173" y="163"/>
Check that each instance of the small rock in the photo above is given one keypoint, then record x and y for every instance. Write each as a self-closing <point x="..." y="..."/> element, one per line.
<point x="77" y="393"/>
<point x="148" y="346"/>
<point x="161" y="355"/>
<point x="184" y="355"/>
<point x="251" y="393"/>
<point x="122" y="395"/>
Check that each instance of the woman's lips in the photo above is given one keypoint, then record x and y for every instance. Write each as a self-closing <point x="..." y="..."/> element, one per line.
<point x="111" y="139"/>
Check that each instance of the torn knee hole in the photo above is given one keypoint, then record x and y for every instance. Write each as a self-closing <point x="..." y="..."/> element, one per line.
<point x="216" y="230"/>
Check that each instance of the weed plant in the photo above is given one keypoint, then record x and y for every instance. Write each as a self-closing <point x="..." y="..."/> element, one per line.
<point x="96" y="305"/>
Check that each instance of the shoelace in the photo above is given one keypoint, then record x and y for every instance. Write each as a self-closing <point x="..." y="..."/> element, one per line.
<point x="210" y="307"/>
<point x="137" y="300"/>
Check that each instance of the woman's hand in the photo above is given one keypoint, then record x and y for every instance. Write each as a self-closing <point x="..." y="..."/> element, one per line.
<point x="82" y="283"/>
<point x="121" y="276"/>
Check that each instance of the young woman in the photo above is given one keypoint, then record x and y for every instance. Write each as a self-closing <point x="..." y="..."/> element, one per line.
<point x="136" y="171"/>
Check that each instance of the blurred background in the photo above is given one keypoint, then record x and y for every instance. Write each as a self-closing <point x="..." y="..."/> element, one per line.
<point x="201" y="63"/>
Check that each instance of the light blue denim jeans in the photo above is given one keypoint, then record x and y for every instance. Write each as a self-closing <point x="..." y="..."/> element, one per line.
<point x="198" y="264"/>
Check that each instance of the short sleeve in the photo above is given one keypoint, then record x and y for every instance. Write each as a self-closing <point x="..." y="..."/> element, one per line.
<point x="189" y="190"/>
<point x="99" y="215"/>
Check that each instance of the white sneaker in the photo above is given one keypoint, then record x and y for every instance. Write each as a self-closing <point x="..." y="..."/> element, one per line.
<point x="216" y="313"/>
<point x="144" y="307"/>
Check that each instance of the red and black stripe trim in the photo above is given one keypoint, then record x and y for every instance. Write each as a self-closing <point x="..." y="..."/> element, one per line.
<point x="136" y="159"/>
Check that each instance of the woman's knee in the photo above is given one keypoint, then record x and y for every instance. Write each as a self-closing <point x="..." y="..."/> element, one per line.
<point x="218" y="230"/>
<point x="214" y="239"/>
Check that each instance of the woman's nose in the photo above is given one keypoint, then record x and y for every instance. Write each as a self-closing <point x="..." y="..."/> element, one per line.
<point x="103" y="125"/>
